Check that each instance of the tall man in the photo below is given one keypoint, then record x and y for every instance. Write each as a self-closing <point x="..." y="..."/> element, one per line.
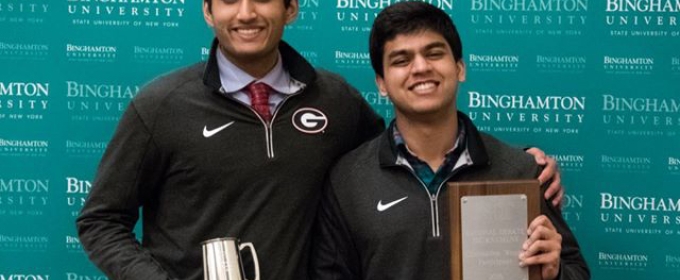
<point x="383" y="213"/>
<point x="205" y="153"/>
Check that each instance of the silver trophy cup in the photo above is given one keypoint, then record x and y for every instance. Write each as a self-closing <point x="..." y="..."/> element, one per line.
<point x="222" y="259"/>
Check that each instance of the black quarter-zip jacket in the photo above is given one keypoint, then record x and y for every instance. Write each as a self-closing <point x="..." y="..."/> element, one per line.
<point x="201" y="165"/>
<point x="377" y="221"/>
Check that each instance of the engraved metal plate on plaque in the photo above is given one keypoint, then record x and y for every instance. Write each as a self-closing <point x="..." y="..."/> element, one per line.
<point x="493" y="230"/>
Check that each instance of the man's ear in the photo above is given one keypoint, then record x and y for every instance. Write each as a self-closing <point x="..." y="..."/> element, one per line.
<point x="292" y="11"/>
<point x="461" y="70"/>
<point x="207" y="14"/>
<point x="380" y="82"/>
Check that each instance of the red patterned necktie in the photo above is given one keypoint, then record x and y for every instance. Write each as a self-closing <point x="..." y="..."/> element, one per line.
<point x="259" y="99"/>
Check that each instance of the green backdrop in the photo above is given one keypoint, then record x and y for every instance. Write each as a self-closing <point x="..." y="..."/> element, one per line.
<point x="594" y="83"/>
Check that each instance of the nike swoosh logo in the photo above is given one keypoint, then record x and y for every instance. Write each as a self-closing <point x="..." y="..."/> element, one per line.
<point x="383" y="207"/>
<point x="209" y="133"/>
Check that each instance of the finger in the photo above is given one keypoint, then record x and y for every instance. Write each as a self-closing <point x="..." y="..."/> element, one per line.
<point x="550" y="265"/>
<point x="541" y="258"/>
<point x="549" y="171"/>
<point x="542" y="241"/>
<point x="551" y="259"/>
<point x="555" y="185"/>
<point x="539" y="221"/>
<point x="538" y="154"/>
<point x="544" y="251"/>
<point x="539" y="236"/>
<point x="557" y="201"/>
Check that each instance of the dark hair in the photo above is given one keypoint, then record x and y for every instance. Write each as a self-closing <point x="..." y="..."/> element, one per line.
<point x="285" y="2"/>
<point x="409" y="18"/>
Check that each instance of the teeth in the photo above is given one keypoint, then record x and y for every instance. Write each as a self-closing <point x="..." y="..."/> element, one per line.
<point x="248" y="31"/>
<point x="424" y="86"/>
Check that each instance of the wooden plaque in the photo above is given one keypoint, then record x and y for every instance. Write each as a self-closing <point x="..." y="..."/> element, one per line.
<point x="500" y="202"/>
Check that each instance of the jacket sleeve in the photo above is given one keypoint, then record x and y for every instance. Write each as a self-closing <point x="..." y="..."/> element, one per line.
<point x="129" y="169"/>
<point x="333" y="253"/>
<point x="572" y="264"/>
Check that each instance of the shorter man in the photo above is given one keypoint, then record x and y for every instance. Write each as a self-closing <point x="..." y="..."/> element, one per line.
<point x="383" y="214"/>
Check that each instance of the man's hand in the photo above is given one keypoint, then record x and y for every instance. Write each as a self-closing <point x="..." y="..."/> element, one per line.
<point x="542" y="247"/>
<point x="550" y="170"/>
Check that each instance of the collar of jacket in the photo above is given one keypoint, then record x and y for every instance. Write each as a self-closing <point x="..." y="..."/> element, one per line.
<point x="293" y="62"/>
<point x="388" y="152"/>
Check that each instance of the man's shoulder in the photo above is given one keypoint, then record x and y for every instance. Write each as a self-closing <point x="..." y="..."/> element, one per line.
<point x="362" y="159"/>
<point x="169" y="92"/>
<point x="504" y="156"/>
<point x="327" y="78"/>
<point x="175" y="79"/>
<point x="329" y="75"/>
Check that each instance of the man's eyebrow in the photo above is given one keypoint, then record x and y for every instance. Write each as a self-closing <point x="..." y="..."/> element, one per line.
<point x="430" y="46"/>
<point x="396" y="53"/>
<point x="435" y="45"/>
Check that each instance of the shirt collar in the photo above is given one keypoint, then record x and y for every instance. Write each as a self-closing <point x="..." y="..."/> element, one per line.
<point x="455" y="158"/>
<point x="234" y="79"/>
<point x="401" y="146"/>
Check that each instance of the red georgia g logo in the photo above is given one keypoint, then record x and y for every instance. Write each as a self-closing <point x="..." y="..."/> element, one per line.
<point x="309" y="120"/>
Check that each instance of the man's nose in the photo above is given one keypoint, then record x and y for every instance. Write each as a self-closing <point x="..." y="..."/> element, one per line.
<point x="421" y="64"/>
<point x="246" y="10"/>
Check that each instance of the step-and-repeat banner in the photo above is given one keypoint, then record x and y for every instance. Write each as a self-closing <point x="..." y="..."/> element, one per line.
<point x="595" y="83"/>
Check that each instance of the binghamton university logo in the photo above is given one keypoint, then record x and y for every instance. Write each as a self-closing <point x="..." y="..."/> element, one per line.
<point x="493" y="62"/>
<point x="625" y="261"/>
<point x="520" y="113"/>
<point x="644" y="116"/>
<point x="26" y="243"/>
<point x="23" y="50"/>
<point x="639" y="215"/>
<point x="137" y="13"/>
<point x="98" y="102"/>
<point x="352" y="59"/>
<point x="24" y="12"/>
<point x="628" y="65"/>
<point x="23" y="100"/>
<point x="91" y="53"/>
<point x="570" y="162"/>
<point x="632" y="164"/>
<point x="158" y="55"/>
<point x="357" y="15"/>
<point x="531" y="17"/>
<point x="560" y="64"/>
<point x="24" y="147"/>
<point x="642" y="18"/>
<point x="23" y="196"/>
<point x="78" y="148"/>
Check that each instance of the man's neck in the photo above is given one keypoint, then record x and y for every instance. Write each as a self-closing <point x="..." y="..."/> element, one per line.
<point x="257" y="67"/>
<point x="429" y="140"/>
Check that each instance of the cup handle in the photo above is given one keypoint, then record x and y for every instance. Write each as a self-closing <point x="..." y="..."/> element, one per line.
<point x="256" y="261"/>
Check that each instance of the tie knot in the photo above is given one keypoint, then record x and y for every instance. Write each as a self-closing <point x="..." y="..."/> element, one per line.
<point x="259" y="99"/>
<point x="258" y="89"/>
